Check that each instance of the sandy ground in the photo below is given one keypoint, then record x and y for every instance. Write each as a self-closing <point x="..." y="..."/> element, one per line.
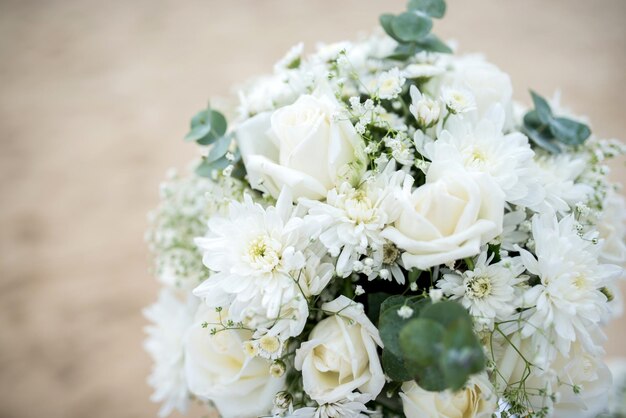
<point x="94" y="100"/>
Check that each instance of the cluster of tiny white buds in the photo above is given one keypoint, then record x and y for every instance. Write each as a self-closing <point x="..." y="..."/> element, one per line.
<point x="230" y="156"/>
<point x="405" y="312"/>
<point x="413" y="287"/>
<point x="359" y="290"/>
<point x="228" y="170"/>
<point x="364" y="266"/>
<point x="384" y="274"/>
<point x="360" y="127"/>
<point x="435" y="295"/>
<point x="583" y="209"/>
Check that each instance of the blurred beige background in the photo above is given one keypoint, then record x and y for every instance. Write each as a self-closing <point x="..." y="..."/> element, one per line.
<point x="95" y="97"/>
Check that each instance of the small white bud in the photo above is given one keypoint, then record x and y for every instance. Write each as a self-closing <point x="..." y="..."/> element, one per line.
<point x="405" y="312"/>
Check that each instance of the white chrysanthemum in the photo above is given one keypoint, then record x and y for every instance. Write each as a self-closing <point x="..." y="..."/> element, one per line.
<point x="558" y="174"/>
<point x="353" y="218"/>
<point x="482" y="147"/>
<point x="488" y="291"/>
<point x="187" y="203"/>
<point x="567" y="304"/>
<point x="513" y="230"/>
<point x="256" y="254"/>
<point x="170" y="319"/>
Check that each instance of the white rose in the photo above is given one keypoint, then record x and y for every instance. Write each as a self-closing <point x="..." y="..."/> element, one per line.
<point x="340" y="356"/>
<point x="217" y="369"/>
<point x="448" y="218"/>
<point x="476" y="400"/>
<point x="301" y="146"/>
<point x="612" y="229"/>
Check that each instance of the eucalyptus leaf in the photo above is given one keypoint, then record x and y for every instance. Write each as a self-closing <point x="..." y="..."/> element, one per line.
<point x="411" y="26"/>
<point x="446" y="313"/>
<point x="432" y="43"/>
<point x="432" y="378"/>
<point x="207" y="168"/>
<point x="433" y="8"/>
<point x="569" y="131"/>
<point x="421" y="341"/>
<point x="385" y="21"/>
<point x="404" y="51"/>
<point x="206" y="127"/>
<point x="219" y="148"/>
<point x="395" y="367"/>
<point x="544" y="112"/>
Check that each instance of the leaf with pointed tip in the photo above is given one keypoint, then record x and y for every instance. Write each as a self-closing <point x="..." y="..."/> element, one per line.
<point x="432" y="43"/>
<point x="219" y="148"/>
<point x="569" y="131"/>
<point x="544" y="112"/>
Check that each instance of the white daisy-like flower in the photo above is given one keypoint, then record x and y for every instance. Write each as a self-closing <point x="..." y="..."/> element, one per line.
<point x="389" y="84"/>
<point x="558" y="175"/>
<point x="487" y="291"/>
<point x="458" y="100"/>
<point x="567" y="304"/>
<point x="353" y="218"/>
<point x="482" y="147"/>
<point x="342" y="409"/>
<point x="170" y="319"/>
<point x="256" y="254"/>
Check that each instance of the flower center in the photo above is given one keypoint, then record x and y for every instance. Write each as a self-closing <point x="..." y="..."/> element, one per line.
<point x="478" y="287"/>
<point x="390" y="253"/>
<point x="359" y="208"/>
<point x="263" y="253"/>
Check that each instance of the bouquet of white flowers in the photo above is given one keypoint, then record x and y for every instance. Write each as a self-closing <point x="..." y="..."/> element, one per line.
<point x="383" y="232"/>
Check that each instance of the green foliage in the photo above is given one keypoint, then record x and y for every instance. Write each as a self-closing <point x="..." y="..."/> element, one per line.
<point x="389" y="325"/>
<point x="436" y="345"/>
<point x="550" y="132"/>
<point x="411" y="29"/>
<point x="207" y="126"/>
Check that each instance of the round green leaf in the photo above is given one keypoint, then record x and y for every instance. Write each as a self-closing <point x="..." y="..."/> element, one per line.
<point x="433" y="8"/>
<point x="446" y="313"/>
<point x="218" y="125"/>
<point x="410" y="26"/>
<point x="385" y="21"/>
<point x="421" y="341"/>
